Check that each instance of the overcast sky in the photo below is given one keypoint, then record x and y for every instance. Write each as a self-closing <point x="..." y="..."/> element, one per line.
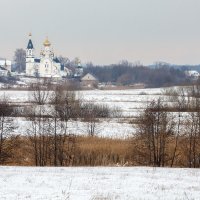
<point x="105" y="31"/>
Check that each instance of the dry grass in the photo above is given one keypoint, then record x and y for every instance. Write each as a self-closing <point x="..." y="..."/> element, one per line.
<point x="89" y="151"/>
<point x="95" y="151"/>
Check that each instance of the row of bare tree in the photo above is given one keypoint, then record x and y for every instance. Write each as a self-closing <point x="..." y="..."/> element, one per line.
<point x="48" y="113"/>
<point x="168" y="131"/>
<point x="52" y="142"/>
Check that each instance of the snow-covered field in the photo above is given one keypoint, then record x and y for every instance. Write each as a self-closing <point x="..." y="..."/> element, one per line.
<point x="134" y="183"/>
<point x="107" y="128"/>
<point x="131" y="103"/>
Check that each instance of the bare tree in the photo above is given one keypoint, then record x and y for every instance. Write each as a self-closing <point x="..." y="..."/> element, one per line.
<point x="39" y="92"/>
<point x="92" y="126"/>
<point x="92" y="113"/>
<point x="39" y="135"/>
<point x="193" y="126"/>
<point x="65" y="108"/>
<point x="20" y="60"/>
<point x="180" y="103"/>
<point x="40" y="128"/>
<point x="155" y="127"/>
<point x="7" y="140"/>
<point x="52" y="144"/>
<point x="64" y="61"/>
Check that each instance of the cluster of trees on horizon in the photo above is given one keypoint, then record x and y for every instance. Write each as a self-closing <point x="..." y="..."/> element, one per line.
<point x="126" y="73"/>
<point x="122" y="73"/>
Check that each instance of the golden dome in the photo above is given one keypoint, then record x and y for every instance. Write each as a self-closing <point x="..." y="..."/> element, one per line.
<point x="47" y="43"/>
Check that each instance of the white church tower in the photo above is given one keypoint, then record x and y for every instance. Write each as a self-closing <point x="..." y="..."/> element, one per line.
<point x="49" y="66"/>
<point x="30" y="60"/>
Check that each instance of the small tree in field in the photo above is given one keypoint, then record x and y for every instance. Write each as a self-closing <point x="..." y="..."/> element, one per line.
<point x="20" y="60"/>
<point x="7" y="140"/>
<point x="155" y="127"/>
<point x="91" y="114"/>
<point x="65" y="108"/>
<point x="39" y="92"/>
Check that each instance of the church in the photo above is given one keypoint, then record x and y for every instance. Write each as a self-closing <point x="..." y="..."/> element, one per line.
<point x="45" y="66"/>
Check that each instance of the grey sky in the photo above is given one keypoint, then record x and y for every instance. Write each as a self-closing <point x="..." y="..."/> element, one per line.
<point x="105" y="31"/>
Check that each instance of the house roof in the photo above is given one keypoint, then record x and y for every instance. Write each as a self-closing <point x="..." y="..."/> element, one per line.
<point x="37" y="60"/>
<point x="192" y="73"/>
<point x="30" y="44"/>
<point x="2" y="68"/>
<point x="89" y="77"/>
<point x="56" y="60"/>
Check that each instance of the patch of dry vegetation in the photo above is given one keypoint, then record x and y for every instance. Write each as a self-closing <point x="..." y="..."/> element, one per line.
<point x="95" y="151"/>
<point x="88" y="151"/>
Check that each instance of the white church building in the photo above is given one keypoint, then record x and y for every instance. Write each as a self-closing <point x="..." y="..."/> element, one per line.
<point x="45" y="66"/>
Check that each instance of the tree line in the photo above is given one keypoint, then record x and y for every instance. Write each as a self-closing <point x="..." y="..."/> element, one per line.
<point x="126" y="74"/>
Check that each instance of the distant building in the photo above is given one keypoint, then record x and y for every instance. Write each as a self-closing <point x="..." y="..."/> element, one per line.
<point x="192" y="74"/>
<point x="78" y="69"/>
<point x="6" y="64"/>
<point x="66" y="72"/>
<point x="3" y="71"/>
<point x="89" y="80"/>
<point x="45" y="66"/>
<point x="5" y="67"/>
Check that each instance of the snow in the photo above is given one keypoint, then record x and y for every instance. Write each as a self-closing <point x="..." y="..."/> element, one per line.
<point x="131" y="102"/>
<point x="106" y="128"/>
<point x="16" y="95"/>
<point x="127" y="100"/>
<point x="100" y="183"/>
<point x="2" y="62"/>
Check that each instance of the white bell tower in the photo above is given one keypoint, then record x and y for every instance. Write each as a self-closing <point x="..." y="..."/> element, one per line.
<point x="30" y="57"/>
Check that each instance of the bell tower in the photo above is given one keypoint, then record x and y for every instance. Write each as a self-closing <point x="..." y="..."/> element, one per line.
<point x="30" y="48"/>
<point x="29" y="57"/>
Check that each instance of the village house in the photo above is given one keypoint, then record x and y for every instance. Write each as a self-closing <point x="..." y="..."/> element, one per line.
<point x="5" y="67"/>
<point x="89" y="81"/>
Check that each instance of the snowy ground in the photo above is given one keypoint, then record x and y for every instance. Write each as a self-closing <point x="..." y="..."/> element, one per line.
<point x="108" y="128"/>
<point x="131" y="103"/>
<point x="20" y="183"/>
